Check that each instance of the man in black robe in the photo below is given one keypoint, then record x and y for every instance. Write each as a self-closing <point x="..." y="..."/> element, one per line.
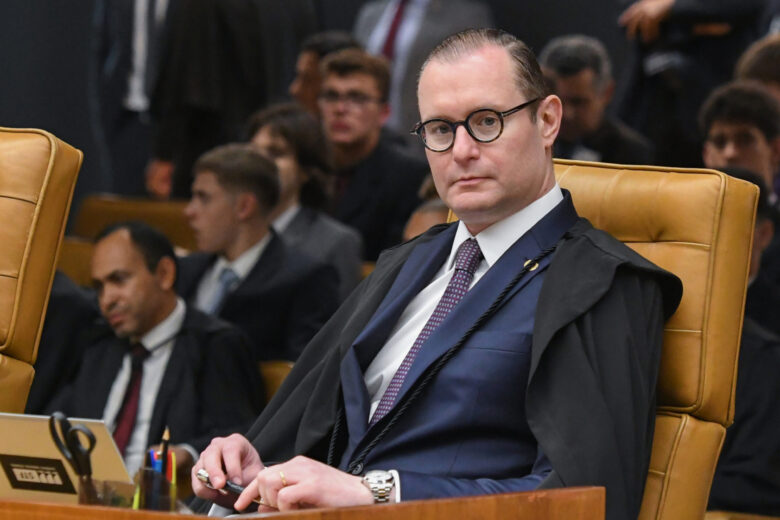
<point x="541" y="373"/>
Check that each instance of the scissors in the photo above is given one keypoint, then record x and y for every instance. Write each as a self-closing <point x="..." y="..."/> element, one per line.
<point x="66" y="438"/>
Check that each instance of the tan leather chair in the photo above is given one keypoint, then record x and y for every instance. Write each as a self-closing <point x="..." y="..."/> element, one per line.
<point x="273" y="374"/>
<point x="98" y="211"/>
<point x="37" y="176"/>
<point x="726" y="515"/>
<point x="74" y="259"/>
<point x="697" y="224"/>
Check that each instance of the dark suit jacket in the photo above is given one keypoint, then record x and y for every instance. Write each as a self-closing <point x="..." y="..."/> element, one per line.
<point x="281" y="304"/>
<point x="614" y="142"/>
<point x="590" y="393"/>
<point x="330" y="242"/>
<point x="381" y="195"/>
<point x="210" y="386"/>
<point x="70" y="316"/>
<point x="747" y="477"/>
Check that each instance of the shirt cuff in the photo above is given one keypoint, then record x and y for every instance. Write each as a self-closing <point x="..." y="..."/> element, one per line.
<point x="192" y="451"/>
<point x="397" y="485"/>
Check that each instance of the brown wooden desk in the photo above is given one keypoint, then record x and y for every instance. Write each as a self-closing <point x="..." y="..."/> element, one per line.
<point x="585" y="503"/>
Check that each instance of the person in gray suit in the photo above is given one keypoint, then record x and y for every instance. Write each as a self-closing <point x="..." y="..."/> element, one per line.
<point x="422" y="25"/>
<point x="293" y="138"/>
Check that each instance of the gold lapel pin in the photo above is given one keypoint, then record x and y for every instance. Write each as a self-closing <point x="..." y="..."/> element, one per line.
<point x="533" y="267"/>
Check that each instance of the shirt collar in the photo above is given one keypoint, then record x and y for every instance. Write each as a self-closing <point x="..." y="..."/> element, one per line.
<point x="165" y="331"/>
<point x="246" y="261"/>
<point x="282" y="221"/>
<point x="497" y="238"/>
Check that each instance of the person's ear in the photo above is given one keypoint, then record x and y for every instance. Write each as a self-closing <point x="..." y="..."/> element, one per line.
<point x="774" y="144"/>
<point x="548" y="119"/>
<point x="607" y="92"/>
<point x="165" y="272"/>
<point x="384" y="112"/>
<point x="246" y="205"/>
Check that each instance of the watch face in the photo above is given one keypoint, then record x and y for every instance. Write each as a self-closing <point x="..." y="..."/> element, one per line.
<point x="379" y="476"/>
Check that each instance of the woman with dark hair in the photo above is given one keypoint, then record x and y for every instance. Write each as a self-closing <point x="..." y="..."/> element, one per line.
<point x="293" y="139"/>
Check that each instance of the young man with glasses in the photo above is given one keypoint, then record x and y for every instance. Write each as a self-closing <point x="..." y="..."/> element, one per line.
<point x="376" y="181"/>
<point x="492" y="355"/>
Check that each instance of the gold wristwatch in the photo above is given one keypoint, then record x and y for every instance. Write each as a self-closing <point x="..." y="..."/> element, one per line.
<point x="380" y="483"/>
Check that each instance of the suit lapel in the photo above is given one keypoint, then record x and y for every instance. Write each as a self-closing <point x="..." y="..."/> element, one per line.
<point x="169" y="386"/>
<point x="415" y="273"/>
<point x="110" y="365"/>
<point x="481" y="296"/>
<point x="265" y="267"/>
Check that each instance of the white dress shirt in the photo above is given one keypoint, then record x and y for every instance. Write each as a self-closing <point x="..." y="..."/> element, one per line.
<point x="281" y="222"/>
<point x="159" y="342"/>
<point x="493" y="241"/>
<point x="209" y="283"/>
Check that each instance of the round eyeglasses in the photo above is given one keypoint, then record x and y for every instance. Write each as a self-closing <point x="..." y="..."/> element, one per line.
<point x="484" y="125"/>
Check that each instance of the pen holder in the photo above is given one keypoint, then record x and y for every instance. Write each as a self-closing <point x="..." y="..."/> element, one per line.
<point x="106" y="493"/>
<point x="153" y="491"/>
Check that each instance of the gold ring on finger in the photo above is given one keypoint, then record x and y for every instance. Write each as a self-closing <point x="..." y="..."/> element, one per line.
<point x="284" y="480"/>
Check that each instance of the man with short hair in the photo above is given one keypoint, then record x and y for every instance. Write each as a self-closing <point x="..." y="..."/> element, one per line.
<point x="492" y="355"/>
<point x="740" y="122"/>
<point x="376" y="180"/>
<point x="580" y="73"/>
<point x="305" y="88"/>
<point x="163" y="364"/>
<point x="761" y="62"/>
<point x="244" y="273"/>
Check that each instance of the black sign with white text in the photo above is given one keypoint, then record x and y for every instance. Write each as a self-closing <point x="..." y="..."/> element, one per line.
<point x="36" y="474"/>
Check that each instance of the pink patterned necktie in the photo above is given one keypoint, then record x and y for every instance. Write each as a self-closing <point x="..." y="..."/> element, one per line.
<point x="466" y="261"/>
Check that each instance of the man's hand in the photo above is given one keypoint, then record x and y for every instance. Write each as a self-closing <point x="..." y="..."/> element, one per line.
<point x="303" y="483"/>
<point x="240" y="461"/>
<point x="644" y="18"/>
<point x="159" y="179"/>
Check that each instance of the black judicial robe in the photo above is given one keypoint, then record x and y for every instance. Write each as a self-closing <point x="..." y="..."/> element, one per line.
<point x="590" y="399"/>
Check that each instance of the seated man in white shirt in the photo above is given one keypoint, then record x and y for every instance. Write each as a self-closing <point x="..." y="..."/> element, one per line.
<point x="244" y="273"/>
<point x="162" y="363"/>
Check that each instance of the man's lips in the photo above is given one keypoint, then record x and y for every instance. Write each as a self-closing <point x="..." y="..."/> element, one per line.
<point x="115" y="318"/>
<point x="470" y="180"/>
<point x="339" y="127"/>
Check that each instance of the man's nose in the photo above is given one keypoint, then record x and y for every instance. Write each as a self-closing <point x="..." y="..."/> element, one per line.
<point x="730" y="150"/>
<point x="464" y="147"/>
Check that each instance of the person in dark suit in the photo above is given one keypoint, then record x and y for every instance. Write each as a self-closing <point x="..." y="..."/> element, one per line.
<point x="161" y="363"/>
<point x="747" y="477"/>
<point x="422" y="25"/>
<point x="70" y="315"/>
<point x="293" y="139"/>
<point x="244" y="273"/>
<point x="376" y="180"/>
<point x="516" y="349"/>
<point x="681" y="51"/>
<point x="580" y="73"/>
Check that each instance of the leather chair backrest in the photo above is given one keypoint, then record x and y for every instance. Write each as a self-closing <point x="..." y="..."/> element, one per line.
<point x="98" y="211"/>
<point x="74" y="260"/>
<point x="37" y="177"/>
<point x="697" y="224"/>
<point x="274" y="374"/>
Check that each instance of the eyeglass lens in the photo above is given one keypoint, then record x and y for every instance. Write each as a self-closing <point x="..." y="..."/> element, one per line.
<point x="483" y="125"/>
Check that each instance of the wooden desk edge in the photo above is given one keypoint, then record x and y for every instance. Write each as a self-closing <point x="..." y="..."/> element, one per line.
<point x="584" y="503"/>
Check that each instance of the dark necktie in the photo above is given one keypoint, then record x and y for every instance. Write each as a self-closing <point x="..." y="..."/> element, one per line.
<point x="466" y="261"/>
<point x="125" y="421"/>
<point x="388" y="49"/>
